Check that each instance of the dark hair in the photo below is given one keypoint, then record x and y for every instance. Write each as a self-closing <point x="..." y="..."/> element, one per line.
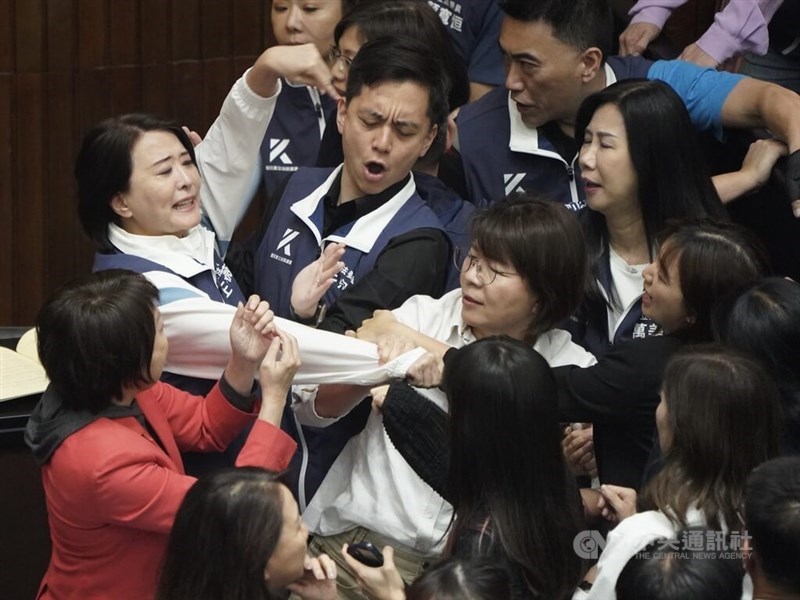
<point x="225" y="531"/>
<point x="96" y="335"/>
<point x="415" y="19"/>
<point x="772" y="515"/>
<point x="724" y="415"/>
<point x="104" y="165"/>
<point x="673" y="181"/>
<point x="399" y="59"/>
<point x="459" y="579"/>
<point x="507" y="470"/>
<point x="715" y="261"/>
<point x="582" y="24"/>
<point x="764" y="321"/>
<point x="658" y="572"/>
<point x="544" y="242"/>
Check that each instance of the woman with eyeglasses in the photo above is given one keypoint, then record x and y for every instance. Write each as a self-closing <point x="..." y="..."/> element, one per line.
<point x="523" y="275"/>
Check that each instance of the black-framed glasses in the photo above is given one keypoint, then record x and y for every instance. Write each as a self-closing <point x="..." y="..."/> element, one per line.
<point x="464" y="260"/>
<point x="335" y="55"/>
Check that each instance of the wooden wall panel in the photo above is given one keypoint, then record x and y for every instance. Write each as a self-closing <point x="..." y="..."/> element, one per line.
<point x="67" y="64"/>
<point x="155" y="31"/>
<point x="28" y="203"/>
<point x="29" y="35"/>
<point x="7" y="31"/>
<point x="185" y="29"/>
<point x="124" y="27"/>
<point x="93" y="33"/>
<point x="61" y="35"/>
<point x="59" y="202"/>
<point x="6" y="197"/>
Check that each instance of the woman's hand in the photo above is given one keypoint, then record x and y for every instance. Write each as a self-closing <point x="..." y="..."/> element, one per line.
<point x="276" y="373"/>
<point x="426" y="372"/>
<point x="310" y="284"/>
<point x="616" y="503"/>
<point x="319" y="579"/>
<point x="390" y="346"/>
<point x="252" y="329"/>
<point x="302" y="65"/>
<point x="578" y="447"/>
<point x="760" y="159"/>
<point x="378" y="396"/>
<point x="381" y="323"/>
<point x="381" y="583"/>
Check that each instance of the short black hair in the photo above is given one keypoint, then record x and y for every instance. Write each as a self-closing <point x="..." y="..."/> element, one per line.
<point x="544" y="242"/>
<point x="104" y="165"/>
<point x="772" y="515"/>
<point x="582" y="24"/>
<point x="96" y="336"/>
<point x="399" y="59"/>
<point x="416" y="19"/>
<point x="659" y="573"/>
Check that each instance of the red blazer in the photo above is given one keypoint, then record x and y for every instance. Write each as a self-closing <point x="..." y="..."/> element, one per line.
<point x="112" y="492"/>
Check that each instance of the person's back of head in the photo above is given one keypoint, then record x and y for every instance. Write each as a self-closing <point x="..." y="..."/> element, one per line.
<point x="719" y="417"/>
<point x="581" y="24"/>
<point x="764" y="321"/>
<point x="772" y="516"/>
<point x="95" y="337"/>
<point x="400" y="59"/>
<point x="415" y="19"/>
<point x="224" y="533"/>
<point x="658" y="572"/>
<point x="457" y="579"/>
<point x="504" y="427"/>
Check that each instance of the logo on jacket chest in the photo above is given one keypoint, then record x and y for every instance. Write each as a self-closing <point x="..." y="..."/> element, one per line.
<point x="512" y="182"/>
<point x="279" y="159"/>
<point x="283" y="251"/>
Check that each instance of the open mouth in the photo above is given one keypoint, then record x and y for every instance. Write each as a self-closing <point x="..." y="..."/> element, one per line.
<point x="374" y="170"/>
<point x="186" y="204"/>
<point x="590" y="186"/>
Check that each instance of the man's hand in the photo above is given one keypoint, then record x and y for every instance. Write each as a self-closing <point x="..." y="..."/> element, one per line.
<point x="311" y="283"/>
<point x="636" y="38"/>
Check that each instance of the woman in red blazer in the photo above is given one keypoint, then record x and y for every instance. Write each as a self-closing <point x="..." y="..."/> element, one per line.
<point x="108" y="434"/>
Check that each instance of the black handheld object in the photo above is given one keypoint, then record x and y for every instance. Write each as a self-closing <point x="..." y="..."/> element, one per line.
<point x="366" y="554"/>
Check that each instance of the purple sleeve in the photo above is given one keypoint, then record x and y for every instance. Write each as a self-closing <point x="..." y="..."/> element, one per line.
<point x="740" y="27"/>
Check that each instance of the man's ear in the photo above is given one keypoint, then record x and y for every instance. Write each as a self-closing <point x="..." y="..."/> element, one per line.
<point x="341" y="113"/>
<point x="452" y="133"/>
<point x="591" y="61"/>
<point x="120" y="206"/>
<point x="429" y="140"/>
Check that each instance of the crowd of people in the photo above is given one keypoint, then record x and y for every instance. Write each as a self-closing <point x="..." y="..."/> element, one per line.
<point x="495" y="308"/>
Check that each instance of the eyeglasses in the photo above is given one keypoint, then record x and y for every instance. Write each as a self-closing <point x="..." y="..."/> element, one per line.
<point x="486" y="274"/>
<point x="335" y="55"/>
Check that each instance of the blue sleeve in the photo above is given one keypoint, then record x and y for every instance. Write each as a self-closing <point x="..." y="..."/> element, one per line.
<point x="486" y="60"/>
<point x="704" y="91"/>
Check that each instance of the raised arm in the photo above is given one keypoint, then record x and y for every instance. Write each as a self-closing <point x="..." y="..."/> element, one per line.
<point x="228" y="156"/>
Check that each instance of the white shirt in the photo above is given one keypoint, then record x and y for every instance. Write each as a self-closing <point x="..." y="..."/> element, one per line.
<point x="630" y="537"/>
<point x="627" y="282"/>
<point x="371" y="485"/>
